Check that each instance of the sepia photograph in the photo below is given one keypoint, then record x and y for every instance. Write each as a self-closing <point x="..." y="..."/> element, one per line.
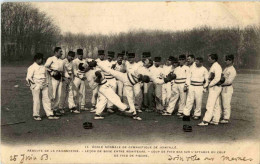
<point x="130" y="82"/>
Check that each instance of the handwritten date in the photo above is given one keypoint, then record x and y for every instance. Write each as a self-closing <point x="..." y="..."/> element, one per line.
<point x="25" y="157"/>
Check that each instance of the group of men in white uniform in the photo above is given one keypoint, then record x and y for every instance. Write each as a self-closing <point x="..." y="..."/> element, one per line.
<point x="131" y="86"/>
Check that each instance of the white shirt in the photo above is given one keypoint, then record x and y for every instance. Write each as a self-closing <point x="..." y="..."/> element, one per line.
<point x="36" y="74"/>
<point x="215" y="68"/>
<point x="229" y="74"/>
<point x="166" y="70"/>
<point x="182" y="74"/>
<point x="76" y="70"/>
<point x="198" y="75"/>
<point x="120" y="68"/>
<point x="68" y="68"/>
<point x="130" y="68"/>
<point x="156" y="72"/>
<point x="90" y="75"/>
<point x="140" y="64"/>
<point x="55" y="64"/>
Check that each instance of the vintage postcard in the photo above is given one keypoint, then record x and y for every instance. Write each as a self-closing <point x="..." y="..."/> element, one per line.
<point x="130" y="82"/>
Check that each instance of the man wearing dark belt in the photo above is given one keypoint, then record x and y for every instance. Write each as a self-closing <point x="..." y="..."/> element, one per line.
<point x="179" y="88"/>
<point x="213" y="112"/>
<point x="198" y="82"/>
<point x="227" y="88"/>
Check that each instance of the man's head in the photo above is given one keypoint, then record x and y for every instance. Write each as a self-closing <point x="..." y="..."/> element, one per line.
<point x="38" y="58"/>
<point x="148" y="63"/>
<point x="145" y="55"/>
<point x="169" y="61"/>
<point x="199" y="61"/>
<point x="58" y="52"/>
<point x="182" y="59"/>
<point x="101" y="54"/>
<point x="175" y="62"/>
<point x="190" y="59"/>
<point x="110" y="55"/>
<point x="80" y="54"/>
<point x="229" y="60"/>
<point x="212" y="58"/>
<point x="120" y="57"/>
<point x="70" y="56"/>
<point x="131" y="58"/>
<point x="157" y="61"/>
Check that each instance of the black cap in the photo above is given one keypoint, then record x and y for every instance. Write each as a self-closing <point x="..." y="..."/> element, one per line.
<point x="182" y="57"/>
<point x="146" y="54"/>
<point x="71" y="53"/>
<point x="170" y="58"/>
<point x="80" y="51"/>
<point x="157" y="59"/>
<point x="120" y="55"/>
<point x="131" y="55"/>
<point x="87" y="125"/>
<point x="230" y="57"/>
<point x="174" y="60"/>
<point x="111" y="54"/>
<point x="101" y="52"/>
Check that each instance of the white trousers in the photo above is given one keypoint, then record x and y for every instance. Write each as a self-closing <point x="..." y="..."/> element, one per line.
<point x="113" y="84"/>
<point x="94" y="97"/>
<point x="129" y="91"/>
<point x="128" y="87"/>
<point x="226" y="95"/>
<point x="120" y="87"/>
<point x="67" y="95"/>
<point x="158" y="97"/>
<point x="213" y="105"/>
<point x="56" y="88"/>
<point x="79" y="91"/>
<point x="166" y="93"/>
<point x="195" y="93"/>
<point x="177" y="92"/>
<point x="46" y="102"/>
<point x="105" y="94"/>
<point x="149" y="101"/>
<point x="138" y="96"/>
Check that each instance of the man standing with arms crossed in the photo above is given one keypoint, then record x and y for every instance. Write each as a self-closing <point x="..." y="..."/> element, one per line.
<point x="213" y="112"/>
<point x="55" y="67"/>
<point x="67" y="83"/>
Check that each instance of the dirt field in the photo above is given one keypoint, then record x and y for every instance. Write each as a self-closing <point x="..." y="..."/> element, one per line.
<point x="16" y="106"/>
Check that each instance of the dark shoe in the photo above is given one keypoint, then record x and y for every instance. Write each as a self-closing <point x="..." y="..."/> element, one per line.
<point x="57" y="113"/>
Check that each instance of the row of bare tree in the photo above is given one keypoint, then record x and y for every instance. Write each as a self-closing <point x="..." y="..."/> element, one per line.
<point x="243" y="43"/>
<point x="26" y="30"/>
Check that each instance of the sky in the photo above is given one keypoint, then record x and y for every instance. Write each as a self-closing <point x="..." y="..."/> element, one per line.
<point x="116" y="17"/>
